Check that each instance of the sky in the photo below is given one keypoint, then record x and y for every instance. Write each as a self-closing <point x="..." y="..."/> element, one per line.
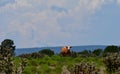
<point x="41" y="23"/>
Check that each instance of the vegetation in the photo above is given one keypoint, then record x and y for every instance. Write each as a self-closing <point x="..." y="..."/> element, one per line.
<point x="111" y="49"/>
<point x="112" y="63"/>
<point x="32" y="55"/>
<point x="7" y="59"/>
<point x="6" y="56"/>
<point x="46" y="62"/>
<point x="74" y="54"/>
<point x="48" y="52"/>
<point x="55" y="63"/>
<point x="84" y="68"/>
<point x="98" y="52"/>
<point x="85" y="53"/>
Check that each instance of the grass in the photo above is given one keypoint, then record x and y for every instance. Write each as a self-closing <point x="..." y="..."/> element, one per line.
<point x="54" y="64"/>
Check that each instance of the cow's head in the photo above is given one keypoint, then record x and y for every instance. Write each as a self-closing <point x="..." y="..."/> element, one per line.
<point x="68" y="47"/>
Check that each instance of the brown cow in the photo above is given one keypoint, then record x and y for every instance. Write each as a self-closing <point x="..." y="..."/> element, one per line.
<point x="65" y="51"/>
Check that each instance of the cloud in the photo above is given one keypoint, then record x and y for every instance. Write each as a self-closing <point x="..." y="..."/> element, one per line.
<point x="4" y="2"/>
<point x="118" y="1"/>
<point x="47" y="22"/>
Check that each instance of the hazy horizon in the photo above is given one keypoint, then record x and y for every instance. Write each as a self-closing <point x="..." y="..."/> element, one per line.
<point x="63" y="46"/>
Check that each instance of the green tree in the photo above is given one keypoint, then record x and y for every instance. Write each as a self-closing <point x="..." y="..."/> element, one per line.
<point x="97" y="52"/>
<point x="6" y="56"/>
<point x="85" y="53"/>
<point x="7" y="43"/>
<point x="111" y="49"/>
<point x="48" y="52"/>
<point x="7" y="47"/>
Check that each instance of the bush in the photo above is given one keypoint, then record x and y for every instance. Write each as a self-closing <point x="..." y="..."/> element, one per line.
<point x="97" y="52"/>
<point x="85" y="53"/>
<point x="74" y="54"/>
<point x="84" y="68"/>
<point x="6" y="56"/>
<point x="111" y="49"/>
<point x="48" y="52"/>
<point x="112" y="63"/>
<point x="32" y="55"/>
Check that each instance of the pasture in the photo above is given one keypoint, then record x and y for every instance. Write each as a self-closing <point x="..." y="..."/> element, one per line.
<point x="55" y="64"/>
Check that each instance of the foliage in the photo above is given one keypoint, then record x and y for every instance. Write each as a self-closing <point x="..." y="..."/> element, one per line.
<point x="54" y="64"/>
<point x="111" y="49"/>
<point x="48" y="52"/>
<point x="8" y="64"/>
<point x="73" y="54"/>
<point x="98" y="52"/>
<point x="112" y="62"/>
<point x="85" y="53"/>
<point x="84" y="68"/>
<point x="7" y="43"/>
<point x="6" y="56"/>
<point x="32" y="55"/>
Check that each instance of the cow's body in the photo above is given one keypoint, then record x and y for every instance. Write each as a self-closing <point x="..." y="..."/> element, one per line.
<point x="65" y="51"/>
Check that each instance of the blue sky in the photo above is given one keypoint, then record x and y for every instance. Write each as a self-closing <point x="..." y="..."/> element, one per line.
<point x="38" y="23"/>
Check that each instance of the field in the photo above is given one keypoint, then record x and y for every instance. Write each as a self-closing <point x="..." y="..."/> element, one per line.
<point x="55" y="64"/>
<point x="45" y="61"/>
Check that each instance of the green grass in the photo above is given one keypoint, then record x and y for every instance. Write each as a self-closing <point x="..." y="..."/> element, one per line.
<point x="54" y="64"/>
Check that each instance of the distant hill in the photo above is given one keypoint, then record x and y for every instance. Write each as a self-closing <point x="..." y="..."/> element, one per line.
<point x="19" y="51"/>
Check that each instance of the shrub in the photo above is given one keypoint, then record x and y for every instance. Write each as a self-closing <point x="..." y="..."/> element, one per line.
<point x="84" y="68"/>
<point x="48" y="52"/>
<point x="111" y="49"/>
<point x="85" y="53"/>
<point x="97" y="52"/>
<point x="6" y="56"/>
<point x="32" y="55"/>
<point x="37" y="55"/>
<point x="112" y="63"/>
<point x="74" y="54"/>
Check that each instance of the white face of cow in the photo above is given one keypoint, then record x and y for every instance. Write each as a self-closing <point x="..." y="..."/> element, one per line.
<point x="68" y="47"/>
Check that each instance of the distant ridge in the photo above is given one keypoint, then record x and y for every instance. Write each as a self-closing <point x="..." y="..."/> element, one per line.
<point x="57" y="49"/>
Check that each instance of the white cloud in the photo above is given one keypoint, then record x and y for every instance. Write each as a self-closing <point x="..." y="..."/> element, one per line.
<point x="118" y="1"/>
<point x="37" y="23"/>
